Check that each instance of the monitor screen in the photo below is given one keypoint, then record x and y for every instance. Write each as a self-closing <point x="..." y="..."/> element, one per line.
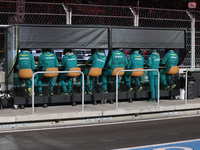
<point x="82" y="54"/>
<point x="58" y="53"/>
<point x="36" y="53"/>
<point x="106" y="52"/>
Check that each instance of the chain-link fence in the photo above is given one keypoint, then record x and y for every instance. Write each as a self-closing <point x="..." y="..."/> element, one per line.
<point x="1" y="46"/>
<point x="101" y="15"/>
<point x="32" y="13"/>
<point x="55" y="13"/>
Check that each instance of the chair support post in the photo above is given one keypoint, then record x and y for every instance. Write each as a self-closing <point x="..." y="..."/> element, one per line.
<point x="50" y="89"/>
<point x="94" y="101"/>
<point x="171" y="88"/>
<point x="72" y="94"/>
<point x="135" y="96"/>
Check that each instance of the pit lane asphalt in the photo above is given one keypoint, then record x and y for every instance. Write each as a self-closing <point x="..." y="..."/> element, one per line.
<point x="106" y="136"/>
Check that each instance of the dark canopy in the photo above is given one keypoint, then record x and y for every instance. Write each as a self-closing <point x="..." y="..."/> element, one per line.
<point x="70" y="36"/>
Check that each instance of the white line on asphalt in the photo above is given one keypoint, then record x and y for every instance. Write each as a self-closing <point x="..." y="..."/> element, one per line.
<point x="155" y="145"/>
<point x="100" y="124"/>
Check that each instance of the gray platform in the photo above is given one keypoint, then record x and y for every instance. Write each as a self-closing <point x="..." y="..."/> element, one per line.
<point x="68" y="112"/>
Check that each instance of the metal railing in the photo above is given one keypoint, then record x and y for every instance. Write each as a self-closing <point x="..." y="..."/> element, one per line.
<point x="132" y="71"/>
<point x="116" y="107"/>
<point x="39" y="72"/>
<point x="186" y="73"/>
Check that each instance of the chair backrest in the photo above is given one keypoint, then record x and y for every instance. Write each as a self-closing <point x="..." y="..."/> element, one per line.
<point x="173" y="70"/>
<point x="51" y="75"/>
<point x="116" y="70"/>
<point x="25" y="73"/>
<point x="73" y="74"/>
<point x="95" y="72"/>
<point x="137" y="73"/>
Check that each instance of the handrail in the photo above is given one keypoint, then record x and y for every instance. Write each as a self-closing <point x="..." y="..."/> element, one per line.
<point x="57" y="72"/>
<point x="136" y="70"/>
<point x="190" y="69"/>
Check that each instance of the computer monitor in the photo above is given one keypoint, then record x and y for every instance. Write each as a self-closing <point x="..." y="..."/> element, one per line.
<point x="58" y="53"/>
<point x="36" y="53"/>
<point x="83" y="54"/>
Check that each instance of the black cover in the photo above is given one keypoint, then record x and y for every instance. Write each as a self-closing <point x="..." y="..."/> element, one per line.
<point x="195" y="77"/>
<point x="147" y="38"/>
<point x="72" y="36"/>
<point x="191" y="90"/>
<point x="62" y="37"/>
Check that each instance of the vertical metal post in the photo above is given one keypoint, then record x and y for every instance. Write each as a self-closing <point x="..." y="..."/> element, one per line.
<point x="83" y="91"/>
<point x="137" y="13"/>
<point x="193" y="42"/>
<point x="158" y="96"/>
<point x="67" y="16"/>
<point x="116" y="106"/>
<point x="68" y="12"/>
<point x="6" y="59"/>
<point x="65" y="12"/>
<point x="192" y="17"/>
<point x="33" y="93"/>
<point x="186" y="85"/>
<point x="14" y="40"/>
<point x="70" y="16"/>
<point x="136" y="17"/>
<point x="135" y="21"/>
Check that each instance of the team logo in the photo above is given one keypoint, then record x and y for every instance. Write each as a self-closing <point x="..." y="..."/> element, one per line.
<point x="173" y="54"/>
<point x="137" y="56"/>
<point x="23" y="55"/>
<point x="48" y="54"/>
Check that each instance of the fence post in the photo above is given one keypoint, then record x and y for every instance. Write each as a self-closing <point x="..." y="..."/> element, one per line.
<point x="68" y="12"/>
<point x="192" y="17"/>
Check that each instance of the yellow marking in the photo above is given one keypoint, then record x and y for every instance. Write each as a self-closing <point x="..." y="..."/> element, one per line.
<point x="137" y="55"/>
<point x="23" y="55"/>
<point x="48" y="54"/>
